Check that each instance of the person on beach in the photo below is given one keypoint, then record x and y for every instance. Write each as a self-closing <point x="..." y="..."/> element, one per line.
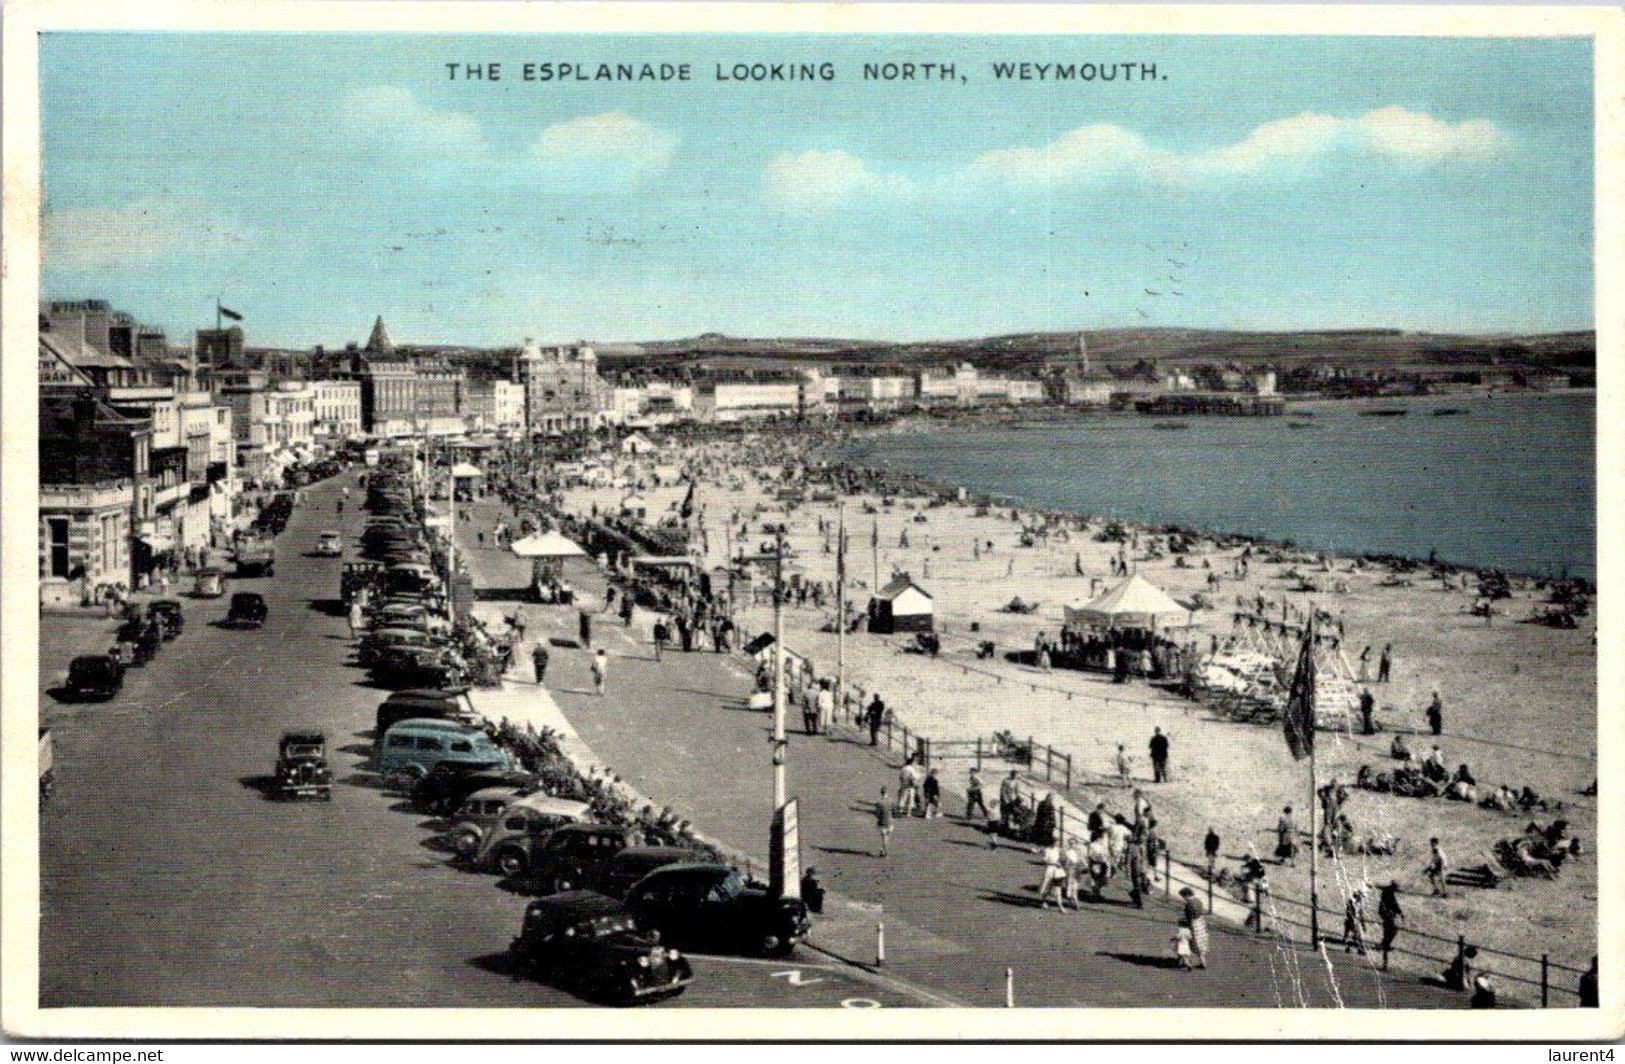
<point x="1365" y="665"/>
<point x="1286" y="838"/>
<point x="1122" y="765"/>
<point x="1435" y="715"/>
<point x="883" y="821"/>
<point x="1142" y="808"/>
<point x="1159" y="756"/>
<point x="1009" y="798"/>
<point x="874" y="716"/>
<point x="1097" y="820"/>
<point x="1194" y="918"/>
<point x="538" y="659"/>
<point x="1210" y="847"/>
<point x="584" y="628"/>
<point x="1385" y="664"/>
<point x="1399" y="750"/>
<point x="600" y="670"/>
<point x="1368" y="706"/>
<point x="1437" y="868"/>
<point x="973" y="796"/>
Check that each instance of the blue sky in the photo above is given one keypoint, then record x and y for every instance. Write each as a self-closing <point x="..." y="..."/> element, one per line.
<point x="316" y="181"/>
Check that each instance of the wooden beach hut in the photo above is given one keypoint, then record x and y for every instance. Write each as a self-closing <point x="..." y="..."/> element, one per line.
<point x="902" y="606"/>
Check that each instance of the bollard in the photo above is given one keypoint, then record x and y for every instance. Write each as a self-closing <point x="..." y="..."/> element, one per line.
<point x="880" y="943"/>
<point x="1009" y="988"/>
<point x="1167" y="873"/>
<point x="1545" y="983"/>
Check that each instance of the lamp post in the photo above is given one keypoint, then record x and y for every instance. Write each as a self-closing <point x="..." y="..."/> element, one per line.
<point x="779" y="741"/>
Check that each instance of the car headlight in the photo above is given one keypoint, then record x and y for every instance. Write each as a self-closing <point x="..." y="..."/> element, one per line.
<point x="643" y="961"/>
<point x="672" y="955"/>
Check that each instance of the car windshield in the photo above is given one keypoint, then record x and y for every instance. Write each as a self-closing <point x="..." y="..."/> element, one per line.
<point x="726" y="889"/>
<point x="605" y="926"/>
<point x="301" y="750"/>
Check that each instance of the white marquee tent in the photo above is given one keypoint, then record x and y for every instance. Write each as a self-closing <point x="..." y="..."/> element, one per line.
<point x="1134" y="603"/>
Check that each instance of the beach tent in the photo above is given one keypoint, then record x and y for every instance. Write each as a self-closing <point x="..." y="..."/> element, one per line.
<point x="467" y="469"/>
<point x="546" y="545"/>
<point x="1134" y="603"/>
<point x="635" y="505"/>
<point x="637" y="443"/>
<point x="901" y="606"/>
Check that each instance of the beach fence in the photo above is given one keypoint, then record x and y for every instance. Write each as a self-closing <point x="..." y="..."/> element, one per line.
<point x="1283" y="915"/>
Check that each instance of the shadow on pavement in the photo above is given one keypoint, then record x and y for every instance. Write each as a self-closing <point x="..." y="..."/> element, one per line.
<point x="1144" y="960"/>
<point x="265" y="785"/>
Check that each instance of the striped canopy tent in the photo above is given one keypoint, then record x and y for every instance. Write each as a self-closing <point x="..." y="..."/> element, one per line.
<point x="546" y="545"/>
<point x="1134" y="603"/>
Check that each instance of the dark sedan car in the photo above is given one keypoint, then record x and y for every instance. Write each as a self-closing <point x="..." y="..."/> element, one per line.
<point x="248" y="610"/>
<point x="94" y="678"/>
<point x="167" y="615"/>
<point x="445" y="786"/>
<point x="591" y="945"/>
<point x="709" y="906"/>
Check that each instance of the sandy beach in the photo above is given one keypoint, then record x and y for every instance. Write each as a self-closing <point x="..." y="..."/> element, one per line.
<point x="1519" y="699"/>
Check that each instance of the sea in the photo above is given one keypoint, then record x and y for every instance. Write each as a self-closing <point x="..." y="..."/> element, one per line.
<point x="1505" y="482"/>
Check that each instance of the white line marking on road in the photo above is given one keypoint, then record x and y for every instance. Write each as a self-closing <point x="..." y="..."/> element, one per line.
<point x="860" y="1003"/>
<point x="794" y="978"/>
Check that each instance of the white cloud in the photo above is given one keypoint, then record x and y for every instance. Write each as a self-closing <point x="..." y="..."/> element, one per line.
<point x="390" y="116"/>
<point x="615" y="141"/>
<point x="1283" y="147"/>
<point x="816" y="181"/>
<point x="143" y="231"/>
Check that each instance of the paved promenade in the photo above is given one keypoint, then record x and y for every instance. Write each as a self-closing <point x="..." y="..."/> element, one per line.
<point x="957" y="913"/>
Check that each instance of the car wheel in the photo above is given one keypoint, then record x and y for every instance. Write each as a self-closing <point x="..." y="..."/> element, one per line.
<point x="773" y="945"/>
<point x="511" y="862"/>
<point x="465" y="843"/>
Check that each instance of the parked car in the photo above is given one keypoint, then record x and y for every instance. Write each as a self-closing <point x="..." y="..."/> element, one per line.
<point x="429" y="703"/>
<point x="94" y="678"/>
<point x="143" y="636"/>
<point x="445" y="787"/>
<point x="210" y="583"/>
<point x="709" y="906"/>
<point x="475" y="815"/>
<point x="435" y="666"/>
<point x="330" y="544"/>
<point x="622" y="871"/>
<point x="301" y="765"/>
<point x="528" y="837"/>
<point x="591" y="944"/>
<point x="167" y="614"/>
<point x="378" y="640"/>
<point x="411" y="749"/>
<point x="255" y="558"/>
<point x="247" y="610"/>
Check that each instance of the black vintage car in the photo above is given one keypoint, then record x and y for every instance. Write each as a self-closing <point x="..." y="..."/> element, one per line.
<point x="94" y="678"/>
<point x="445" y="786"/>
<point x="591" y="945"/>
<point x="167" y="615"/>
<point x="248" y="610"/>
<point x="432" y="666"/>
<point x="301" y="765"/>
<point x="428" y="703"/>
<point x="144" y="636"/>
<point x="709" y="906"/>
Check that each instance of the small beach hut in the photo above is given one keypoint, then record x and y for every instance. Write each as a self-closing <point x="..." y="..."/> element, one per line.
<point x="901" y="606"/>
<point x="635" y="505"/>
<point x="637" y="443"/>
<point x="1134" y="603"/>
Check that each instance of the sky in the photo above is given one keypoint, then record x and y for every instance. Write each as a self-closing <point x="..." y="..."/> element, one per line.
<point x="313" y="182"/>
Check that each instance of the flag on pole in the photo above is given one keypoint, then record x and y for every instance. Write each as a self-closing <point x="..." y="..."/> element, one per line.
<point x="227" y="312"/>
<point x="1298" y="719"/>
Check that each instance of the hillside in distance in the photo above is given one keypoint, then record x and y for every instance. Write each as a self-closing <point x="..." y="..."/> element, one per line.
<point x="1373" y="349"/>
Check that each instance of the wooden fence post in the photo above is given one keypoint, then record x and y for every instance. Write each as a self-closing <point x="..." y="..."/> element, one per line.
<point x="1049" y="762"/>
<point x="1545" y="982"/>
<point x="1069" y="772"/>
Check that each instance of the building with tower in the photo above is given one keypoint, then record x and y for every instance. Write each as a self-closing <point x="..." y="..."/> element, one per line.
<point x="563" y="391"/>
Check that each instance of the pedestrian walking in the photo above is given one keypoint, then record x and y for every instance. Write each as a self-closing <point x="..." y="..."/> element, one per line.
<point x="1435" y="715"/>
<point x="1385" y="663"/>
<point x="584" y="628"/>
<point x="1142" y="808"/>
<point x="1194" y="918"/>
<point x="809" y="712"/>
<point x="883" y="821"/>
<point x="357" y="618"/>
<point x="1009" y="796"/>
<point x="627" y="607"/>
<point x="1286" y="838"/>
<point x="600" y="670"/>
<point x="824" y="706"/>
<point x="1436" y="869"/>
<point x="1138" y="884"/>
<point x="1122" y="765"/>
<point x="931" y="791"/>
<point x="1159" y="756"/>
<point x="660" y="637"/>
<point x="908" y="788"/>
<point x="973" y="796"/>
<point x="1389" y="914"/>
<point x="1054" y="877"/>
<point x="1354" y="923"/>
<point x="538" y="658"/>
<point x="874" y="716"/>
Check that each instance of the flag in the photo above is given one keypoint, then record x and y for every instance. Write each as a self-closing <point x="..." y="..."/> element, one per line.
<point x="1298" y="719"/>
<point x="228" y="313"/>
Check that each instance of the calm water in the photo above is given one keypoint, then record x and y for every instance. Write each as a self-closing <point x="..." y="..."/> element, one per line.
<point x="1510" y="483"/>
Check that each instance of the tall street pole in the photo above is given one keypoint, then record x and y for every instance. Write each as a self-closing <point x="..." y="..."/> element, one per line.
<point x="840" y="613"/>
<point x="779" y="742"/>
